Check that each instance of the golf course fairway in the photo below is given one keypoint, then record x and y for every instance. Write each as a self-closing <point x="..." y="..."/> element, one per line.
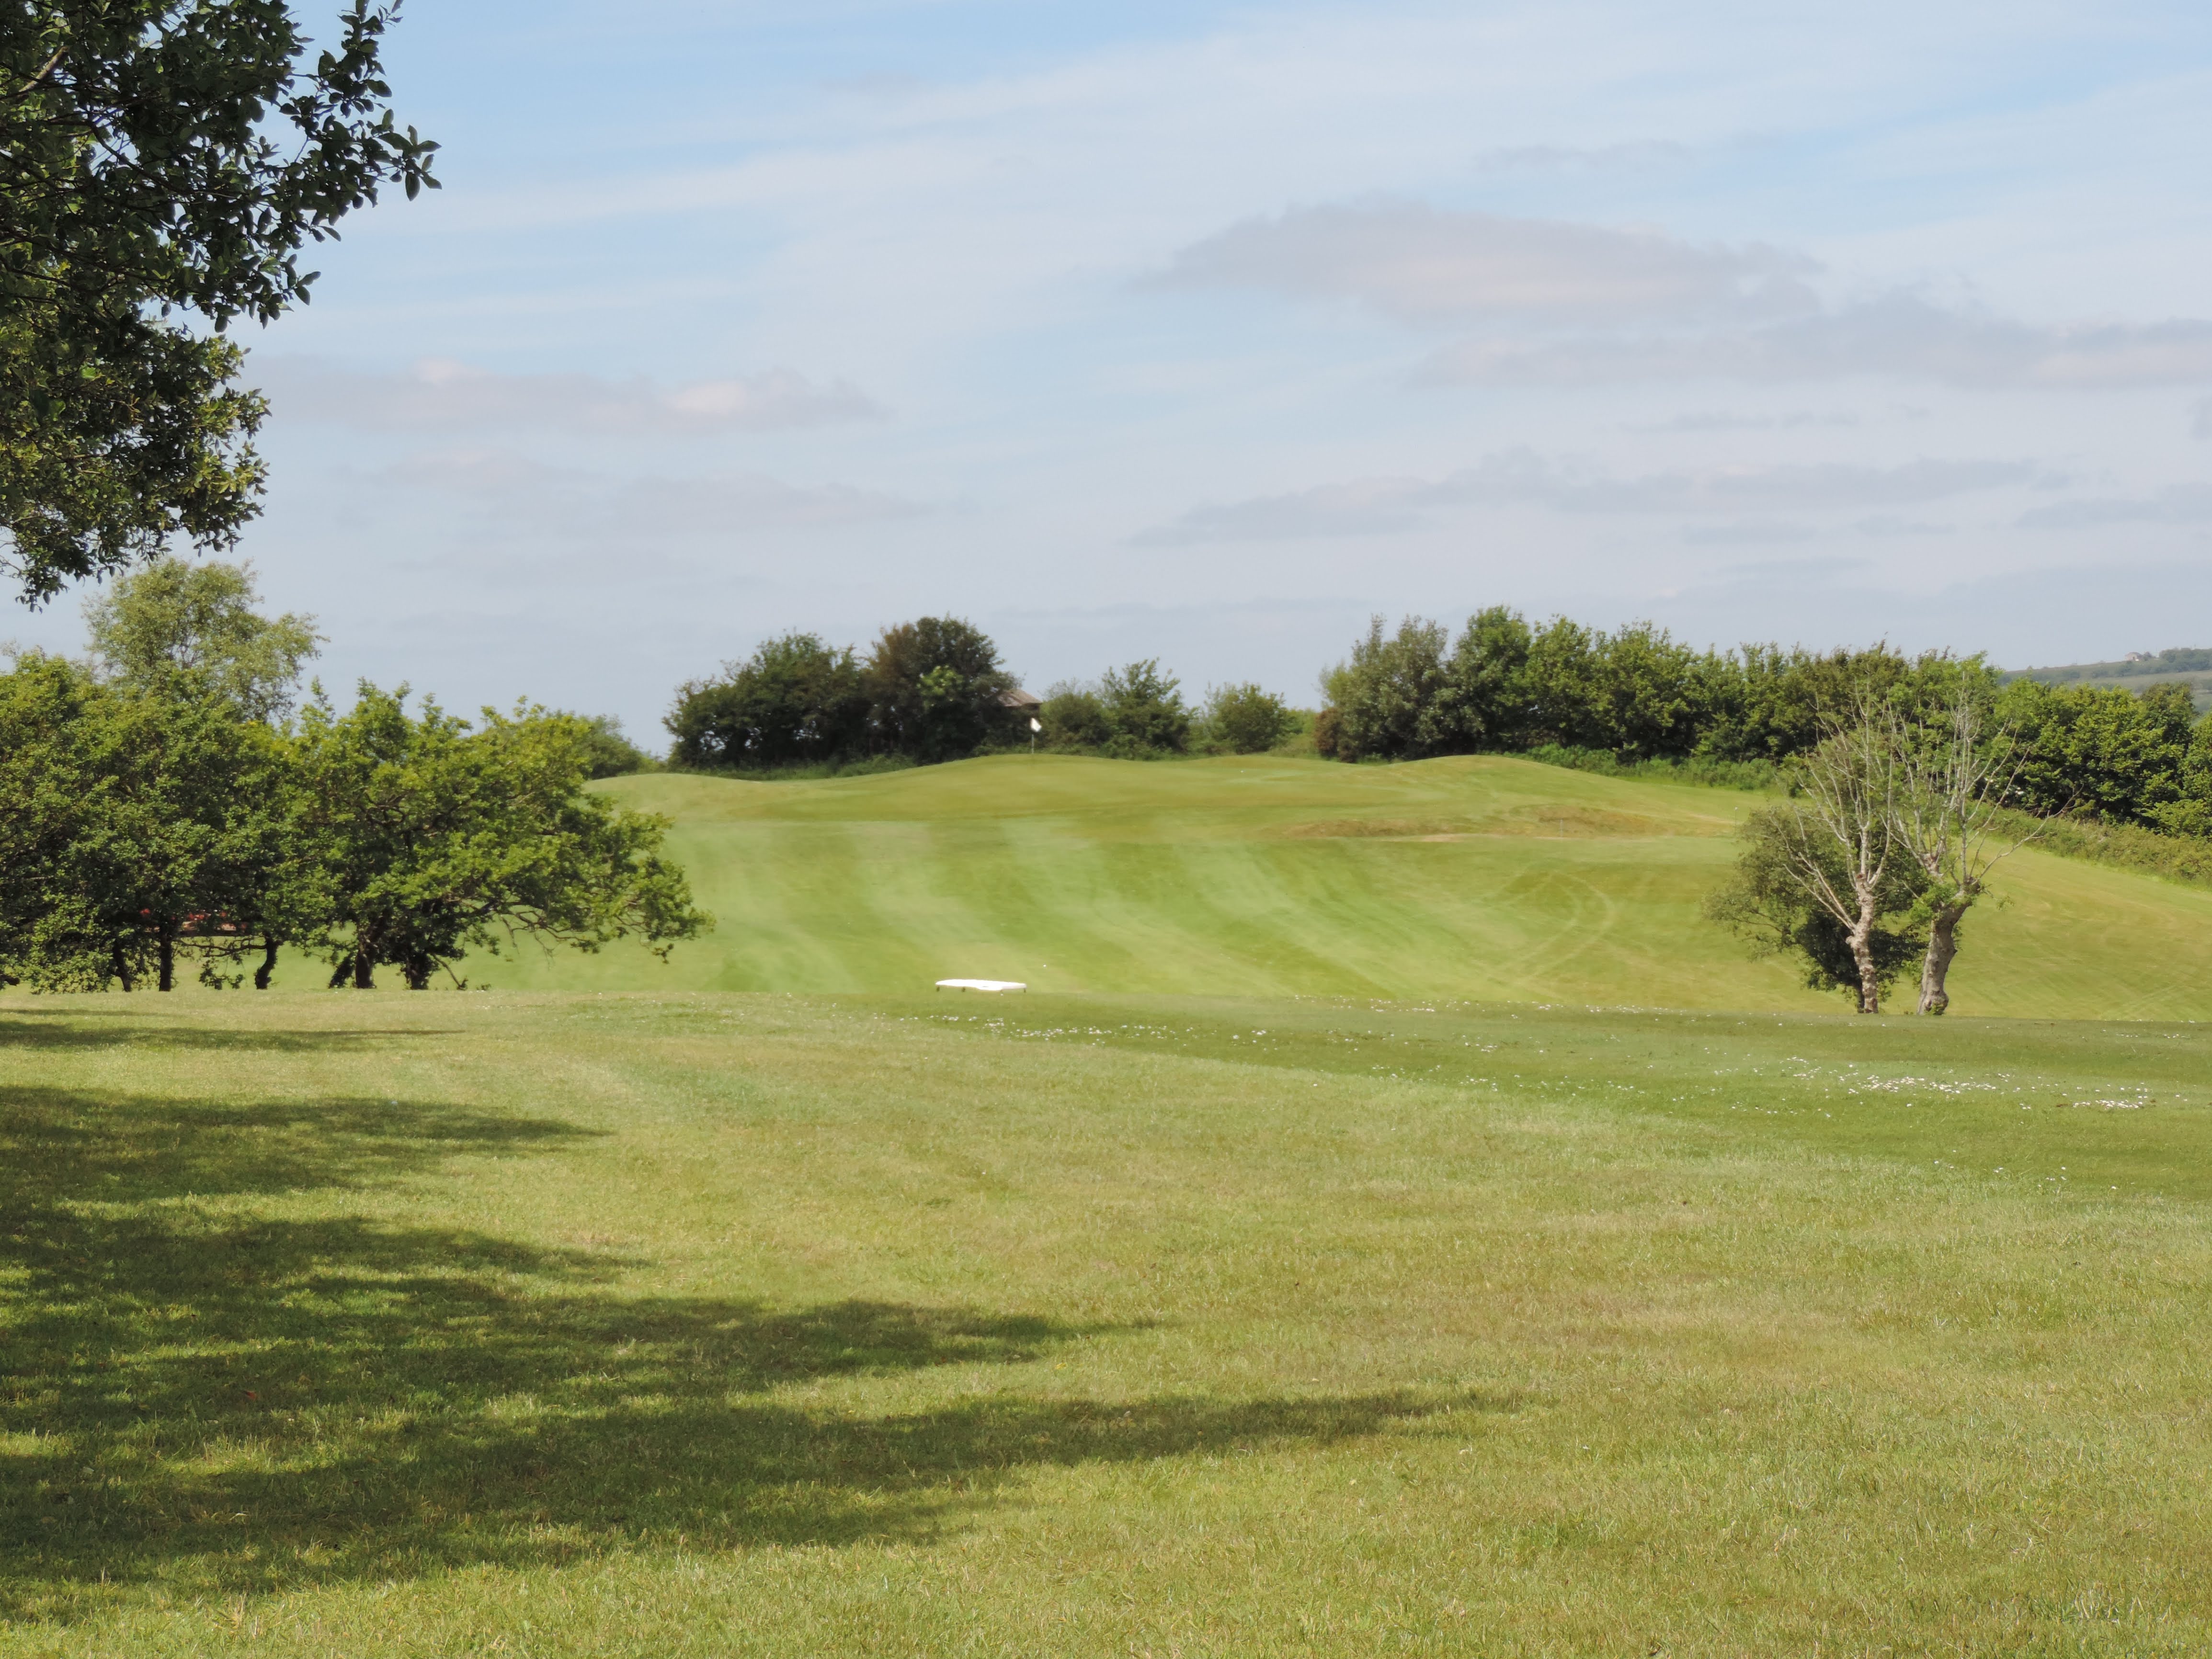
<point x="1344" y="1250"/>
<point x="1485" y="878"/>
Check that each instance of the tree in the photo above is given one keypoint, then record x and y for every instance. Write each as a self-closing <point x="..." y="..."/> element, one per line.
<point x="1951" y="776"/>
<point x="1245" y="720"/>
<point x="935" y="688"/>
<point x="173" y="617"/>
<point x="48" y="781"/>
<point x="1831" y="852"/>
<point x="1485" y="699"/>
<point x="1386" y="693"/>
<point x="609" y="752"/>
<point x="1144" y="711"/>
<point x="423" y="839"/>
<point x="1652" y="694"/>
<point x="795" y="701"/>
<point x="1768" y="901"/>
<point x="2192" y="814"/>
<point x="1073" y="717"/>
<point x="2099" y="751"/>
<point x="150" y="826"/>
<point x="1778" y="703"/>
<point x="163" y="164"/>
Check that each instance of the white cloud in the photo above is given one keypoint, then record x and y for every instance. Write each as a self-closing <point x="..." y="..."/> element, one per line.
<point x="438" y="394"/>
<point x="523" y="492"/>
<point x="1565" y="304"/>
<point x="1389" y="505"/>
<point x="1427" y="267"/>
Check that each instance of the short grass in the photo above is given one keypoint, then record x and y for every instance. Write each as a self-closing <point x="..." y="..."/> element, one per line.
<point x="1481" y="877"/>
<point x="718" y="1325"/>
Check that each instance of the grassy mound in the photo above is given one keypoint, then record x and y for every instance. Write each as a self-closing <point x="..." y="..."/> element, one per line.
<point x="1485" y="878"/>
<point x="715" y="1325"/>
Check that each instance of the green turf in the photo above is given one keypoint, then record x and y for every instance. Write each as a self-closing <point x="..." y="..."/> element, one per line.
<point x="720" y="1325"/>
<point x="1487" y="877"/>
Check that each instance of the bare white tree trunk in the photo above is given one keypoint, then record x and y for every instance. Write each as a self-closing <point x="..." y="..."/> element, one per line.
<point x="1952" y="780"/>
<point x="1942" y="947"/>
<point x="1847" y="790"/>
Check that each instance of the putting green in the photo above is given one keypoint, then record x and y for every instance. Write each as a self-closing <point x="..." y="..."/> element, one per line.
<point x="1481" y="878"/>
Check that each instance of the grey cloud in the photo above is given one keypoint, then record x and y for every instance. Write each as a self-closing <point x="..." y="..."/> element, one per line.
<point x="1718" y="421"/>
<point x="2177" y="504"/>
<point x="1563" y="158"/>
<point x="2200" y="425"/>
<point x="1901" y="335"/>
<point x="440" y="394"/>
<point x="1387" y="506"/>
<point x="1883" y="524"/>
<point x="566" y="501"/>
<point x="1825" y="571"/>
<point x="1426" y="266"/>
<point x="1748" y="533"/>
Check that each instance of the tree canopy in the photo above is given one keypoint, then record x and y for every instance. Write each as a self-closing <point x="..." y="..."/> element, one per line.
<point x="163" y="166"/>
<point x="931" y="689"/>
<point x="173" y="617"/>
<point x="160" y="810"/>
<point x="424" y="840"/>
<point x="147" y="826"/>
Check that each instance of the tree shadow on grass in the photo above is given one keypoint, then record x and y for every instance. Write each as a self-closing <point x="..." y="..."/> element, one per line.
<point x="234" y="1403"/>
<point x="137" y="1028"/>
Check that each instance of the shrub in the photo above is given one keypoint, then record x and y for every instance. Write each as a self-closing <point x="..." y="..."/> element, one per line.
<point x="1386" y="693"/>
<point x="609" y="753"/>
<point x="1073" y="718"/>
<point x="1327" y="733"/>
<point x="793" y="701"/>
<point x="933" y="688"/>
<point x="1242" y="719"/>
<point x="1144" y="711"/>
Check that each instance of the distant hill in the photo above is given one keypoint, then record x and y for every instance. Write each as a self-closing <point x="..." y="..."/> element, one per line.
<point x="2189" y="665"/>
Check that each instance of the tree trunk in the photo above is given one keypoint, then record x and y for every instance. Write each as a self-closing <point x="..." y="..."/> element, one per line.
<point x="1942" y="945"/>
<point x="261" y="974"/>
<point x="1861" y="935"/>
<point x="167" y="949"/>
<point x="122" y="969"/>
<point x="364" y="961"/>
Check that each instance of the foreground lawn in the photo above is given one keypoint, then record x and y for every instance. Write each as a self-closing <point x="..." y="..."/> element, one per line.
<point x="392" y="1324"/>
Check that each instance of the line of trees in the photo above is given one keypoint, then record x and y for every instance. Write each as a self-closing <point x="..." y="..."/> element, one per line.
<point x="1138" y="713"/>
<point x="169" y="805"/>
<point x="932" y="690"/>
<point x="1638" y="694"/>
<point x="935" y="689"/>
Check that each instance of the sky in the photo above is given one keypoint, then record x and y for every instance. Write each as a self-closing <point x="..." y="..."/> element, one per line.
<point x="1203" y="332"/>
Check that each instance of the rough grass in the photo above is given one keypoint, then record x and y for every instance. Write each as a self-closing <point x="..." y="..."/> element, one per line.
<point x="435" y="1324"/>
<point x="1487" y="877"/>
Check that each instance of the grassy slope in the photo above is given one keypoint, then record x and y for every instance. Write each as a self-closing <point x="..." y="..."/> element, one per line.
<point x="1485" y="878"/>
<point x="677" y="1326"/>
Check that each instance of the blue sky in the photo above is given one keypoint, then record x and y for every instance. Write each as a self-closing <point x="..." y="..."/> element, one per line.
<point x="1203" y="331"/>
